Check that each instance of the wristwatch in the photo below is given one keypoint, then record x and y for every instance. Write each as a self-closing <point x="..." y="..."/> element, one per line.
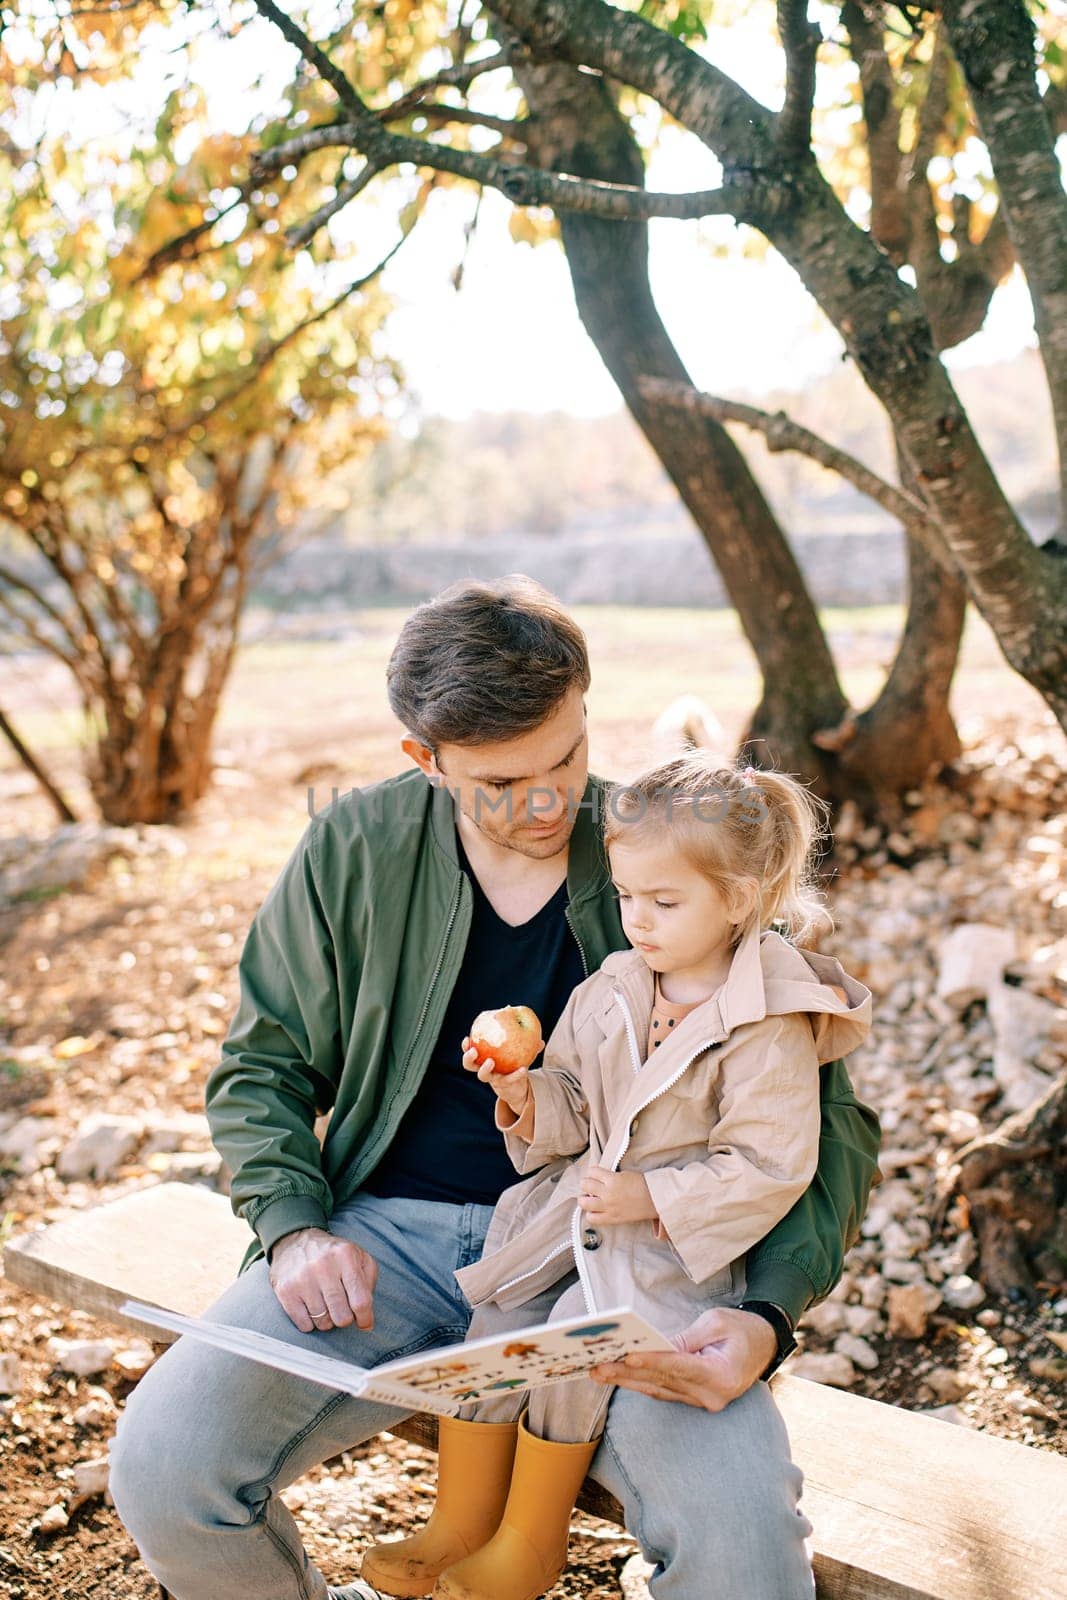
<point x="783" y="1331"/>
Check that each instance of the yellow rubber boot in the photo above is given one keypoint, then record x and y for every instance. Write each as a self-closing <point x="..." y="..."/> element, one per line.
<point x="528" y="1551"/>
<point x="473" y="1474"/>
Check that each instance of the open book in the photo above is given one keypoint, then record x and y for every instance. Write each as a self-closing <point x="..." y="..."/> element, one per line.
<point x="445" y="1379"/>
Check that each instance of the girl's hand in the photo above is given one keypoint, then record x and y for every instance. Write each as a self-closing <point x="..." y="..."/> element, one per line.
<point x="616" y="1197"/>
<point x="511" y="1087"/>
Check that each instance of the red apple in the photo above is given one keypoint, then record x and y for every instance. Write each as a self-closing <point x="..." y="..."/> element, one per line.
<point x="510" y="1037"/>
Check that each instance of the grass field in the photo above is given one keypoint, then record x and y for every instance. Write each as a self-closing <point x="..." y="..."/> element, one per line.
<point x="298" y="697"/>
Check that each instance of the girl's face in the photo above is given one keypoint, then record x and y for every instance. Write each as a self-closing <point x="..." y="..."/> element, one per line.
<point x="670" y="912"/>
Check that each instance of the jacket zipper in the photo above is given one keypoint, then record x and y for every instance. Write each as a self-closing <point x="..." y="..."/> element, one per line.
<point x="631" y="1033"/>
<point x="671" y="1081"/>
<point x="533" y="1271"/>
<point x="436" y="972"/>
<point x="431" y="986"/>
<point x="578" y="942"/>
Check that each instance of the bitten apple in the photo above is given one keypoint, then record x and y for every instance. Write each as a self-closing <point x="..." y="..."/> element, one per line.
<point x="510" y="1037"/>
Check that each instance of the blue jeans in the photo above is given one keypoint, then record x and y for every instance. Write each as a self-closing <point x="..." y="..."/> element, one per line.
<point x="208" y="1439"/>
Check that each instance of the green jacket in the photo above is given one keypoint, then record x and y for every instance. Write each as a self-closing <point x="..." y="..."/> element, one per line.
<point x="344" y="979"/>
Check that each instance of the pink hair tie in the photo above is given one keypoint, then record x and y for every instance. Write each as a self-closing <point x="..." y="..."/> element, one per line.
<point x="748" y="774"/>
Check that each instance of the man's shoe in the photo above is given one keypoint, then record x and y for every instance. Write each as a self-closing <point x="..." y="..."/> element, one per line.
<point x="356" y="1591"/>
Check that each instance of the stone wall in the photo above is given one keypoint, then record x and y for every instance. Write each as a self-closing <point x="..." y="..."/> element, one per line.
<point x="855" y="569"/>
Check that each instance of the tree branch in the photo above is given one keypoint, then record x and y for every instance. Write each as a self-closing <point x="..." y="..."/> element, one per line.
<point x="993" y="41"/>
<point x="782" y="433"/>
<point x="507" y="127"/>
<point x="522" y="185"/>
<point x="459" y="76"/>
<point x="267" y="354"/>
<point x="317" y="58"/>
<point x="890" y="224"/>
<point x="801" y="39"/>
<point x="299" y="236"/>
<point x="13" y="581"/>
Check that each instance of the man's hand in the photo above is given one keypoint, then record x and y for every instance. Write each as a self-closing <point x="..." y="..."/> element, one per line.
<point x="322" y="1281"/>
<point x="511" y="1087"/>
<point x="719" y="1356"/>
<point x="616" y="1197"/>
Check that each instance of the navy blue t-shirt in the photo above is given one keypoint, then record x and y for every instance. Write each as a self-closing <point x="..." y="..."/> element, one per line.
<point x="447" y="1146"/>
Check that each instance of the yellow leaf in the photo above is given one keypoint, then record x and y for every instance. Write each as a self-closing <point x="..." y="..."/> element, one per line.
<point x="76" y="1045"/>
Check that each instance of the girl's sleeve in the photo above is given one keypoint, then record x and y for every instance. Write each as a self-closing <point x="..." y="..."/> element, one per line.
<point x="556" y="1120"/>
<point x="762" y="1152"/>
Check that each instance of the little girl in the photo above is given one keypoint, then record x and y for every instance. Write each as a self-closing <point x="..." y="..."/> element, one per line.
<point x="674" y="1121"/>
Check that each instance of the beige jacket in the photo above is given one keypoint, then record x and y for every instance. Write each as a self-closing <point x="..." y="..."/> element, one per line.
<point x="723" y="1120"/>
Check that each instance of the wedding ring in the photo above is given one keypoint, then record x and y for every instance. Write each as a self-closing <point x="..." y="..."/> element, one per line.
<point x="316" y="1316"/>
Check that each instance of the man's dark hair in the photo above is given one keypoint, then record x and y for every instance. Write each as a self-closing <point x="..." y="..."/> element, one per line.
<point x="483" y="662"/>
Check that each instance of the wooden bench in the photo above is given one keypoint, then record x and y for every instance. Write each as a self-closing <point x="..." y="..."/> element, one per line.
<point x="904" y="1507"/>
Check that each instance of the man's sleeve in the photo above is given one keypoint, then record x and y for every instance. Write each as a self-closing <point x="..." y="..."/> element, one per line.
<point x="281" y="1058"/>
<point x="802" y="1257"/>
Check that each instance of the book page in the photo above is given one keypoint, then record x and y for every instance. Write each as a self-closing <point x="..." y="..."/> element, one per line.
<point x="441" y="1380"/>
<point x="527" y="1358"/>
<point x="301" y="1362"/>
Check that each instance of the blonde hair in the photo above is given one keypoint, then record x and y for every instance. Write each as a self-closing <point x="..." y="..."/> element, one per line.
<point x="732" y="824"/>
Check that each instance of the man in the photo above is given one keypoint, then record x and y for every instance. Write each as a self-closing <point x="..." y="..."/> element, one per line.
<point x="474" y="880"/>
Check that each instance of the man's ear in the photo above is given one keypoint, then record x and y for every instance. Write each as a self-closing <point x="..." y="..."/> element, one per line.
<point x="422" y="756"/>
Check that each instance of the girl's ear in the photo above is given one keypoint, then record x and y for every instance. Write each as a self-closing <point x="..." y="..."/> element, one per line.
<point x="742" y="899"/>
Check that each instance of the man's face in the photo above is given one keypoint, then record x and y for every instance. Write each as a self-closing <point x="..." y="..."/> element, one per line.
<point x="522" y="793"/>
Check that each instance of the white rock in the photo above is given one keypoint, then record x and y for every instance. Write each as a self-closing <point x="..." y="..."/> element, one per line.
<point x="962" y="1293"/>
<point x="863" y="1320"/>
<point x="97" y="1409"/>
<point x="21" y="1141"/>
<point x="961" y="1126"/>
<point x="10" y="1374"/>
<point x="90" y="1477"/>
<point x="900" y="1271"/>
<point x="826" y="1319"/>
<point x="65" y="858"/>
<point x="948" y="1384"/>
<point x="1023" y="1024"/>
<point x="961" y="1253"/>
<point x="187" y="1166"/>
<point x="832" y="1368"/>
<point x="134" y="1360"/>
<point x="872" y="1291"/>
<point x="633" y="1579"/>
<point x="947" y="1414"/>
<point x="971" y="960"/>
<point x="896" y="1240"/>
<point x="82" y="1357"/>
<point x="857" y="1350"/>
<point x="910" y="1306"/>
<point x="103" y="1145"/>
<point x="174" y="1130"/>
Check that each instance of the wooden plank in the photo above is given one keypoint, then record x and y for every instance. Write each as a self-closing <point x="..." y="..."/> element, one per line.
<point x="904" y="1507"/>
<point x="176" y="1245"/>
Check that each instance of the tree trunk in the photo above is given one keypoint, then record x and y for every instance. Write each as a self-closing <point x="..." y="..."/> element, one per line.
<point x="1013" y="1183"/>
<point x="993" y="40"/>
<point x="908" y="732"/>
<point x="575" y="126"/>
<point x="1019" y="589"/>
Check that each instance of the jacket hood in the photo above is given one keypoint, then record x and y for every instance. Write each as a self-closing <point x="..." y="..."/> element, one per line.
<point x="769" y="976"/>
